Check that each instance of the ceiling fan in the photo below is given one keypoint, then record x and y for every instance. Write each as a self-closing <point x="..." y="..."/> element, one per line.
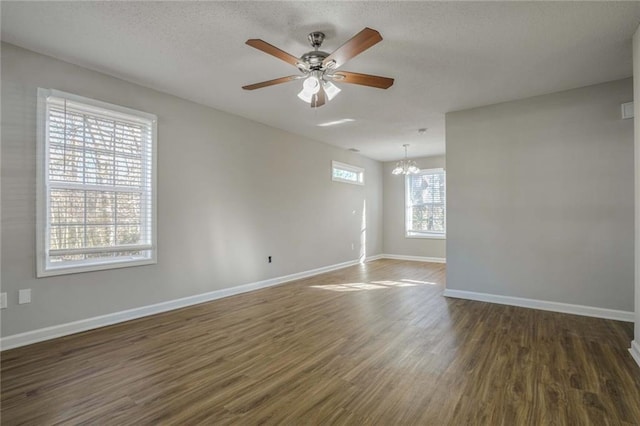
<point x="319" y="69"/>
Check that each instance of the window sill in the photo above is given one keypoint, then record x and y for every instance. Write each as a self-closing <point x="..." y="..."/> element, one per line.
<point x="98" y="266"/>
<point x="427" y="236"/>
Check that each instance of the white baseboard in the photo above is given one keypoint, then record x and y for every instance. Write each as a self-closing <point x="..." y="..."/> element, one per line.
<point x="414" y="258"/>
<point x="567" y="308"/>
<point x="34" y="336"/>
<point x="376" y="257"/>
<point x="635" y="351"/>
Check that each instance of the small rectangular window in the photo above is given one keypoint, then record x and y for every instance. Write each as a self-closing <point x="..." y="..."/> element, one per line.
<point x="425" y="203"/>
<point x="341" y="172"/>
<point x="96" y="185"/>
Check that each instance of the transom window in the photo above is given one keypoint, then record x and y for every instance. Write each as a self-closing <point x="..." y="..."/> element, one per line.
<point x="425" y="204"/>
<point x="96" y="185"/>
<point x="347" y="173"/>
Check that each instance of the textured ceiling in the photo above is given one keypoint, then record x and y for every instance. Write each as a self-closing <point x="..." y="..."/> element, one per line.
<point x="445" y="56"/>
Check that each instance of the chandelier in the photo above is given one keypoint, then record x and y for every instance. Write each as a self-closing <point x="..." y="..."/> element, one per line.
<point x="405" y="166"/>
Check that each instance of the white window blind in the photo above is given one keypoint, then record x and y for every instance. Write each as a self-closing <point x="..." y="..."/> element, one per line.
<point x="97" y="183"/>
<point x="341" y="172"/>
<point x="425" y="204"/>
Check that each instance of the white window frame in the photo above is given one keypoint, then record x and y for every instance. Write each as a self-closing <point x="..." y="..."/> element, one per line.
<point x="44" y="267"/>
<point x="336" y="165"/>
<point x="428" y="235"/>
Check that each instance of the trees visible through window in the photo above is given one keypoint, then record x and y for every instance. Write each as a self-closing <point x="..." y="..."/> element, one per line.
<point x="425" y="204"/>
<point x="96" y="206"/>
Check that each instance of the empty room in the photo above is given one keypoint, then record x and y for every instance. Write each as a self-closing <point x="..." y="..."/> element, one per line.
<point x="257" y="212"/>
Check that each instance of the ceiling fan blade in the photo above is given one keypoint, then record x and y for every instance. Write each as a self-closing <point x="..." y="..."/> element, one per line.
<point x="318" y="99"/>
<point x="356" y="45"/>
<point x="270" y="82"/>
<point x="273" y="51"/>
<point x="363" y="79"/>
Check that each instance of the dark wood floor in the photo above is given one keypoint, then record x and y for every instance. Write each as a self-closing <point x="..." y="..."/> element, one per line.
<point x="372" y="344"/>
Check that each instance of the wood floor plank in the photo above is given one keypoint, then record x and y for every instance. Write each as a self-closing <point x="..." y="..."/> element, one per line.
<point x="370" y="344"/>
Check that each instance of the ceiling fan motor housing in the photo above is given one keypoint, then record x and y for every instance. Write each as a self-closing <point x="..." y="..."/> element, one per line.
<point x="314" y="59"/>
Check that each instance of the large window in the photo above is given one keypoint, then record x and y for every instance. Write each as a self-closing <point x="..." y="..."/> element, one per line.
<point x="425" y="204"/>
<point x="96" y="185"/>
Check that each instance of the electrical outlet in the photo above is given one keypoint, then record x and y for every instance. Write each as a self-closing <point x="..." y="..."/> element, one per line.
<point x="3" y="300"/>
<point x="353" y="246"/>
<point x="24" y="296"/>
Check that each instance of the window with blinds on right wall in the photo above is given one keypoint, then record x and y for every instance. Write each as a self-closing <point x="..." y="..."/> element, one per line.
<point x="425" y="202"/>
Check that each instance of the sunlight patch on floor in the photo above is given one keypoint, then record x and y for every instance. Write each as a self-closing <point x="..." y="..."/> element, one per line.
<point x="419" y="282"/>
<point x="349" y="287"/>
<point x="394" y="283"/>
<point x="373" y="285"/>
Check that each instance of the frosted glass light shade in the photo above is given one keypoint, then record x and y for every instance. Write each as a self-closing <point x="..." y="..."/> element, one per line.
<point x="305" y="95"/>
<point x="331" y="89"/>
<point x="311" y="84"/>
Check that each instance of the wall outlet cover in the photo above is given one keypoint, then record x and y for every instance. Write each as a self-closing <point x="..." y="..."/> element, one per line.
<point x="3" y="300"/>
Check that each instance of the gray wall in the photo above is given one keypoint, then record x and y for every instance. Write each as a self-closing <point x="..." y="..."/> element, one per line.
<point x="540" y="198"/>
<point x="394" y="239"/>
<point x="230" y="192"/>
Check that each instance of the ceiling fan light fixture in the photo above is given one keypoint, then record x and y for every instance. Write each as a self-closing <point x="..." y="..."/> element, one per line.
<point x="311" y="84"/>
<point x="405" y="166"/>
<point x="330" y="89"/>
<point x="305" y="96"/>
<point x="310" y="87"/>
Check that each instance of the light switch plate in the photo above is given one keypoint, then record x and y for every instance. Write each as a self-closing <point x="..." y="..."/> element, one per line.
<point x="3" y="300"/>
<point x="24" y="296"/>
